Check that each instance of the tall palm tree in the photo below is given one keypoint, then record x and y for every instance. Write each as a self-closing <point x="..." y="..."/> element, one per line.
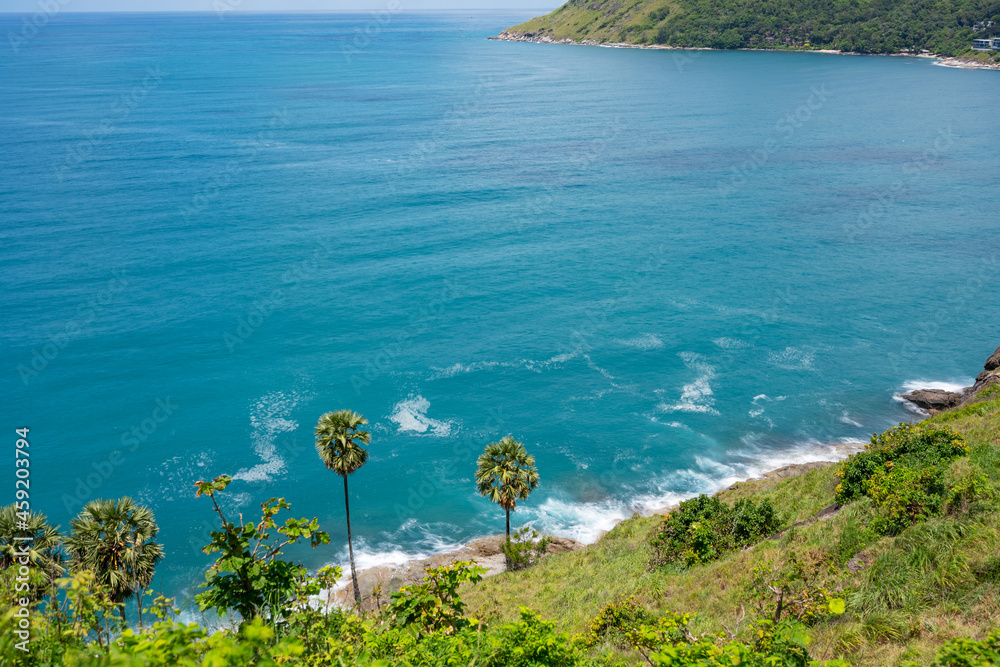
<point x="339" y="444"/>
<point x="116" y="539"/>
<point x="505" y="474"/>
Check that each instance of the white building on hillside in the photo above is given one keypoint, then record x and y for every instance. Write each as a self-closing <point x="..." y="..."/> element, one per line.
<point x="986" y="44"/>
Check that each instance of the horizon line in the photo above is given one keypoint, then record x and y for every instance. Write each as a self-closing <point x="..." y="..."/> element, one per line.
<point x="273" y="11"/>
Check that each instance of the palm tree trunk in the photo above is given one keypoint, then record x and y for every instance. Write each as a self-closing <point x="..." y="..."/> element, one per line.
<point x="121" y="608"/>
<point x="507" y="509"/>
<point x="350" y="546"/>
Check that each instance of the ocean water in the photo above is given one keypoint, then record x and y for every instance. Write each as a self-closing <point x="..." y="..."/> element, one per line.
<point x="661" y="270"/>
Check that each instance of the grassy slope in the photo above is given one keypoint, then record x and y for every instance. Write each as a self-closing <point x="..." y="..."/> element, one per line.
<point x="936" y="581"/>
<point x="633" y="21"/>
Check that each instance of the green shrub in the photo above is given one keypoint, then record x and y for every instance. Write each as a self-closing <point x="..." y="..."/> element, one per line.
<point x="434" y="605"/>
<point x="791" y="590"/>
<point x="532" y="642"/>
<point x="906" y="445"/>
<point x="903" y="471"/>
<point x="904" y="496"/>
<point x="616" y="620"/>
<point x="969" y="653"/>
<point x="525" y="548"/>
<point x="968" y="487"/>
<point x="777" y="645"/>
<point x="703" y="529"/>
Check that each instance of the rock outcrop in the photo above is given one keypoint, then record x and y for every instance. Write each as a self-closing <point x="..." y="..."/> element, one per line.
<point x="934" y="400"/>
<point x="938" y="400"/>
<point x="990" y="377"/>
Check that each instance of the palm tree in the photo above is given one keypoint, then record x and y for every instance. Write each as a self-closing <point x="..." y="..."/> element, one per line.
<point x="42" y="546"/>
<point x="339" y="444"/>
<point x="116" y="540"/>
<point x="506" y="473"/>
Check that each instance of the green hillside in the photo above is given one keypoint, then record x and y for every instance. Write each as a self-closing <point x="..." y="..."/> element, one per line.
<point x="944" y="27"/>
<point x="906" y="593"/>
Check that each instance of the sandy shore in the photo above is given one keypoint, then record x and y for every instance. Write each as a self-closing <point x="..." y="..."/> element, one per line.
<point x="378" y="582"/>
<point x="944" y="61"/>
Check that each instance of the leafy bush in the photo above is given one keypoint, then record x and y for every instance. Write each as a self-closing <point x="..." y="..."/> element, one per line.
<point x="903" y="471"/>
<point x="968" y="653"/>
<point x="703" y="529"/>
<point x="615" y="620"/>
<point x="249" y="577"/>
<point x="782" y="644"/>
<point x="532" y="643"/>
<point x="524" y="548"/>
<point x="791" y="590"/>
<point x="434" y="605"/>
<point x="968" y="487"/>
<point x="906" y="445"/>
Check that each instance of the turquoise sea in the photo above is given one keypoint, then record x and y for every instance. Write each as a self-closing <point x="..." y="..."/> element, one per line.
<point x="661" y="270"/>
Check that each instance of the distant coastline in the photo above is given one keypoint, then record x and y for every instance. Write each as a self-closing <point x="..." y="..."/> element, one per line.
<point x="956" y="62"/>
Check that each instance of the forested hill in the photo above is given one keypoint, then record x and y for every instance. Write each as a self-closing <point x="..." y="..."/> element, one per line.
<point x="944" y="27"/>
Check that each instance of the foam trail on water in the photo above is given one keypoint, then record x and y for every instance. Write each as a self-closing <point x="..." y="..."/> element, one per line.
<point x="696" y="396"/>
<point x="646" y="341"/>
<point x="270" y="416"/>
<point x="410" y="416"/>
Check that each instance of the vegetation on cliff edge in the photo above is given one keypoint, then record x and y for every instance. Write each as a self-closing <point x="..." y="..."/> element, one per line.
<point x="944" y="27"/>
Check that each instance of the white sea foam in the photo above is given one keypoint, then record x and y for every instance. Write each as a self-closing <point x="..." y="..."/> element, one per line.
<point x="697" y="395"/>
<point x="583" y="522"/>
<point x="793" y="359"/>
<point x="459" y="368"/>
<point x="646" y="341"/>
<point x="732" y="343"/>
<point x="957" y="387"/>
<point x="270" y="416"/>
<point x="845" y="418"/>
<point x="410" y="416"/>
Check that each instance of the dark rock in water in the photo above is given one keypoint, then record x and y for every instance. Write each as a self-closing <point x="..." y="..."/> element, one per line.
<point x="993" y="363"/>
<point x="933" y="399"/>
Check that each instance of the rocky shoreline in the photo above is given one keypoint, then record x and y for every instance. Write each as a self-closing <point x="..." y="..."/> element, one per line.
<point x="944" y="61"/>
